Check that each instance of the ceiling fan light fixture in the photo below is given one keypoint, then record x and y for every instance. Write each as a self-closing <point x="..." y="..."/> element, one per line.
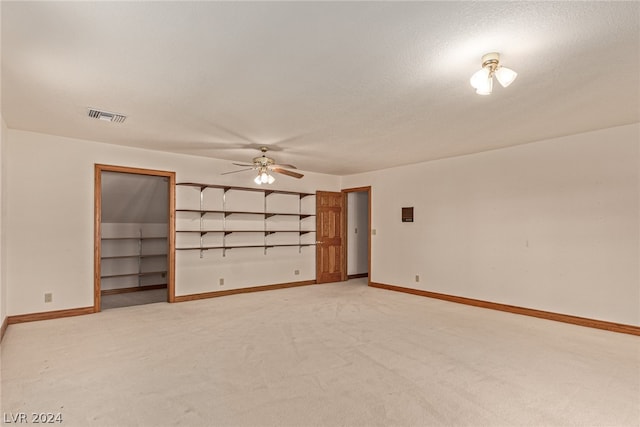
<point x="482" y="80"/>
<point x="266" y="167"/>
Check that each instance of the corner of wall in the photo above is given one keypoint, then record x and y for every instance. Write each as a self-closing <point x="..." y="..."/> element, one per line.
<point x="3" y="281"/>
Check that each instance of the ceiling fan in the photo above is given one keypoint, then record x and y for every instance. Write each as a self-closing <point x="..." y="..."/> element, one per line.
<point x="265" y="165"/>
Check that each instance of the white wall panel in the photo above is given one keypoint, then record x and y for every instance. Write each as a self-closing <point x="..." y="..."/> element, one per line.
<point x="551" y="225"/>
<point x="3" y="250"/>
<point x="49" y="222"/>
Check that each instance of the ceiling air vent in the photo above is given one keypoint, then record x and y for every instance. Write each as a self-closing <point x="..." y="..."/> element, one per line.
<point x="106" y="116"/>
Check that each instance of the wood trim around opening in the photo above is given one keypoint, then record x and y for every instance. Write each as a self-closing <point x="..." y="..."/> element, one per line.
<point x="3" y="328"/>
<point x="366" y="189"/>
<point x="171" y="178"/>
<point x="48" y="315"/>
<point x="558" y="317"/>
<point x="214" y="294"/>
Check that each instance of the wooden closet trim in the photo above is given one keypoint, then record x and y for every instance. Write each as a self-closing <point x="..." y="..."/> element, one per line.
<point x="97" y="202"/>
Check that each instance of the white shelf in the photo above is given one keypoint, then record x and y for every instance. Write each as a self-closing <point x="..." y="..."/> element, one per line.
<point x="222" y="216"/>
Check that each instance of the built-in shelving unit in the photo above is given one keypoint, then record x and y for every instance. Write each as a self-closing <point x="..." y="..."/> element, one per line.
<point x="124" y="257"/>
<point x="260" y="219"/>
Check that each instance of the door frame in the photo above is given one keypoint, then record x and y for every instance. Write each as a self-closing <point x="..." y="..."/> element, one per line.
<point x="367" y="190"/>
<point x="97" y="217"/>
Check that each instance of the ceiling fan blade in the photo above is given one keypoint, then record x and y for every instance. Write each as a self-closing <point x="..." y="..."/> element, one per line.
<point x="287" y="172"/>
<point x="239" y="170"/>
<point x="284" y="166"/>
<point x="242" y="164"/>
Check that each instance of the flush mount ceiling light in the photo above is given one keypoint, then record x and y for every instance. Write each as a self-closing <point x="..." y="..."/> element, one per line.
<point x="482" y="80"/>
<point x="106" y="116"/>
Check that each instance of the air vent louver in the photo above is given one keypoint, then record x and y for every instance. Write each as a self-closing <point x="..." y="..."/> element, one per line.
<point x="106" y="116"/>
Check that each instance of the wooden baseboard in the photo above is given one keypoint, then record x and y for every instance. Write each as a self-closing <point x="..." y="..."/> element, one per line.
<point x="357" y="276"/>
<point x="565" y="318"/>
<point x="48" y="315"/>
<point x="3" y="328"/>
<point x="214" y="294"/>
<point x="132" y="289"/>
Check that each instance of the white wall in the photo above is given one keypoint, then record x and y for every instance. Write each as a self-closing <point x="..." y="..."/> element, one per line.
<point x="3" y="251"/>
<point x="3" y="139"/>
<point x="551" y="225"/>
<point x="357" y="232"/>
<point x="49" y="222"/>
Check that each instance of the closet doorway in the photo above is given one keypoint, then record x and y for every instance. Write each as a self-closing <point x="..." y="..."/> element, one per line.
<point x="358" y="232"/>
<point x="134" y="237"/>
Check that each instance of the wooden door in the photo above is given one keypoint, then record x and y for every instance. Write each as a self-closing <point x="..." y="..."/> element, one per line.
<point x="329" y="237"/>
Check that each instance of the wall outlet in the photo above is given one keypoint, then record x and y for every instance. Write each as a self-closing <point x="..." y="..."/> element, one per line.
<point x="417" y="278"/>
<point x="296" y="272"/>
<point x="373" y="231"/>
<point x="48" y="297"/>
<point x="221" y="281"/>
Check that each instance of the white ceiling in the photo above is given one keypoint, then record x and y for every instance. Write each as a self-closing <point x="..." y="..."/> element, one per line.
<point x="333" y="87"/>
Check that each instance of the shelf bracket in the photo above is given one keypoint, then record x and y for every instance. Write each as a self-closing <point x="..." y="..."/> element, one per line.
<point x="139" y="257"/>
<point x="224" y="220"/>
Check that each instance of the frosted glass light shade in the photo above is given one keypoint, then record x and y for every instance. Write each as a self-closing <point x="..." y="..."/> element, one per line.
<point x="264" y="178"/>
<point x="505" y="76"/>
<point x="486" y="87"/>
<point x="479" y="78"/>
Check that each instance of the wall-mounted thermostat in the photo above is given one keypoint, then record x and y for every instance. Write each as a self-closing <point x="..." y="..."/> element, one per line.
<point x="407" y="214"/>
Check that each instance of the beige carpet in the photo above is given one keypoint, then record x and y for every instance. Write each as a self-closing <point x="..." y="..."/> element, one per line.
<point x="323" y="355"/>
